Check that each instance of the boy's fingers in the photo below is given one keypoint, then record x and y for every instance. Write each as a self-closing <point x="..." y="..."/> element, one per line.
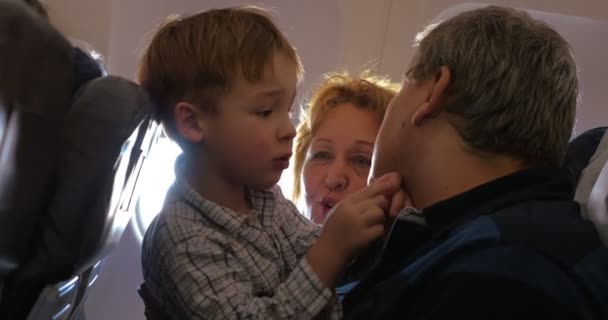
<point x="374" y="232"/>
<point x="398" y="202"/>
<point x="373" y="216"/>
<point x="380" y="201"/>
<point x="386" y="185"/>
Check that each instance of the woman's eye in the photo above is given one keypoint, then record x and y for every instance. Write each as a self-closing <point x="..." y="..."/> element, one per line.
<point x="322" y="155"/>
<point x="362" y="161"/>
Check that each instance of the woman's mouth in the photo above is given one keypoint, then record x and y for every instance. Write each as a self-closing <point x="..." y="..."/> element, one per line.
<point x="326" y="205"/>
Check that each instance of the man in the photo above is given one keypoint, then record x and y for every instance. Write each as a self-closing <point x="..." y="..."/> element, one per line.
<point x="478" y="133"/>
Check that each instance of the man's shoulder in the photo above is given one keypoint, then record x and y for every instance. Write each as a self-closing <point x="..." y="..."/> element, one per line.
<point x="521" y="244"/>
<point x="540" y="225"/>
<point x="531" y="231"/>
<point x="474" y="265"/>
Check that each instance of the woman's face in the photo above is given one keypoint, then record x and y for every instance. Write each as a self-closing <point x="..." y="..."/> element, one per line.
<point x="339" y="158"/>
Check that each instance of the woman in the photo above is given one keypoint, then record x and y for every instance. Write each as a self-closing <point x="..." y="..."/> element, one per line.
<point x="335" y="139"/>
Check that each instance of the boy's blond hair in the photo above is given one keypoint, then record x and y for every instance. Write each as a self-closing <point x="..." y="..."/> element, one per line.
<point x="196" y="58"/>
<point x="367" y="92"/>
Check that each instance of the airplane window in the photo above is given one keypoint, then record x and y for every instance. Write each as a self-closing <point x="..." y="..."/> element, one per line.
<point x="158" y="175"/>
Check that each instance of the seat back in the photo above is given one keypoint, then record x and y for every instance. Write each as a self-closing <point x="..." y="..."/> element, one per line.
<point x="67" y="168"/>
<point x="592" y="190"/>
<point x="105" y="134"/>
<point x="86" y="216"/>
<point x="31" y="110"/>
<point x="592" y="195"/>
<point x="597" y="204"/>
<point x="581" y="149"/>
<point x="587" y="157"/>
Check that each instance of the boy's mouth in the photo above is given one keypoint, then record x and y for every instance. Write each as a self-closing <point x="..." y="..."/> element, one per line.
<point x="282" y="162"/>
<point x="284" y="157"/>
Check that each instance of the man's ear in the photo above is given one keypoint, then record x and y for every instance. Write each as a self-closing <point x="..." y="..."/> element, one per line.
<point x="189" y="122"/>
<point x="437" y="96"/>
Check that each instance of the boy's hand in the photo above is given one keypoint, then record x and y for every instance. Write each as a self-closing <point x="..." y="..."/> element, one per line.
<point x="351" y="226"/>
<point x="398" y="200"/>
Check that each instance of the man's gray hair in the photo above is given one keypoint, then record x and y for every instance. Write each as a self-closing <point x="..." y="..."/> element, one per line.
<point x="514" y="86"/>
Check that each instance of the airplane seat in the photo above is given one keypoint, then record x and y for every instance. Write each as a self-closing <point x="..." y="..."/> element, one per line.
<point x="591" y="168"/>
<point x="597" y="203"/>
<point x="68" y="165"/>
<point x="35" y="91"/>
<point x="592" y="185"/>
<point x="104" y="137"/>
<point x="581" y="149"/>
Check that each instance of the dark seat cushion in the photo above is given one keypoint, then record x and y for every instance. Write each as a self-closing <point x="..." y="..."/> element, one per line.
<point x="35" y="95"/>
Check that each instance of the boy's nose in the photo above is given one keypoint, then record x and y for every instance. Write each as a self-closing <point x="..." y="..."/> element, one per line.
<point x="288" y="131"/>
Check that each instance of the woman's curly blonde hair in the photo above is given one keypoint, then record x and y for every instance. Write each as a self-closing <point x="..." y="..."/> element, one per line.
<point x="366" y="91"/>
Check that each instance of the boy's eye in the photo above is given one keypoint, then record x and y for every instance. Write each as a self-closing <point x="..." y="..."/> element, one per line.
<point x="264" y="113"/>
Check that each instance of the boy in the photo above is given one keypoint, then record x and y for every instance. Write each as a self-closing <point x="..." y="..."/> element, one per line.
<point x="223" y="246"/>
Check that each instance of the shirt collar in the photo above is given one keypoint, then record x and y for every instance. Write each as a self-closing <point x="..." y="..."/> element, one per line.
<point x="545" y="183"/>
<point x="262" y="201"/>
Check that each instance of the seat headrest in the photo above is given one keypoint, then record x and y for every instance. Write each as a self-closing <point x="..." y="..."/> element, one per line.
<point x="592" y="189"/>
<point x="35" y="95"/>
<point x="83" y="217"/>
<point x="581" y="149"/>
<point x="597" y="205"/>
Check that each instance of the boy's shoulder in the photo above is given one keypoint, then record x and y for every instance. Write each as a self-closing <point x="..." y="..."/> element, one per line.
<point x="277" y="193"/>
<point x="181" y="220"/>
<point x="282" y="204"/>
<point x="176" y="221"/>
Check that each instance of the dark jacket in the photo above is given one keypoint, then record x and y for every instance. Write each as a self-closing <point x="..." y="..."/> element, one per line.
<point x="514" y="248"/>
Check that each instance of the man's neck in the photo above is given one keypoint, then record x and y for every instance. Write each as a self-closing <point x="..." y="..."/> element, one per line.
<point x="213" y="187"/>
<point x="434" y="181"/>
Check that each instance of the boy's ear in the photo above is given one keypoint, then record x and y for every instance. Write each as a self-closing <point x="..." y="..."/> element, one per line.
<point x="437" y="96"/>
<point x="189" y="122"/>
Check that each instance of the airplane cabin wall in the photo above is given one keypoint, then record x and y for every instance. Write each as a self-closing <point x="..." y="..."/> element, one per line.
<point x="87" y="20"/>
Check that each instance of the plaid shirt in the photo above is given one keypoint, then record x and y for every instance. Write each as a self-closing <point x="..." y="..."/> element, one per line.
<point x="204" y="261"/>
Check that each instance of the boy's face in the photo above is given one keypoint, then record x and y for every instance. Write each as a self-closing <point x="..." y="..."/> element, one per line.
<point x="249" y="139"/>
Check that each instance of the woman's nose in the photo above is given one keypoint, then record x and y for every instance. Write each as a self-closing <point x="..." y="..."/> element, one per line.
<point x="336" y="179"/>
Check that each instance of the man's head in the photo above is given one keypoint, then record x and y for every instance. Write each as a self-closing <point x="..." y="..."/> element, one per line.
<point x="493" y="84"/>
<point x="223" y="81"/>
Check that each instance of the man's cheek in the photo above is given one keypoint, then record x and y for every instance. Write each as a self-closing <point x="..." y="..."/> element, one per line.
<point x="379" y="164"/>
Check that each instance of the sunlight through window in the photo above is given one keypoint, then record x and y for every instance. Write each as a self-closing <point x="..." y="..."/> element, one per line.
<point x="158" y="175"/>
